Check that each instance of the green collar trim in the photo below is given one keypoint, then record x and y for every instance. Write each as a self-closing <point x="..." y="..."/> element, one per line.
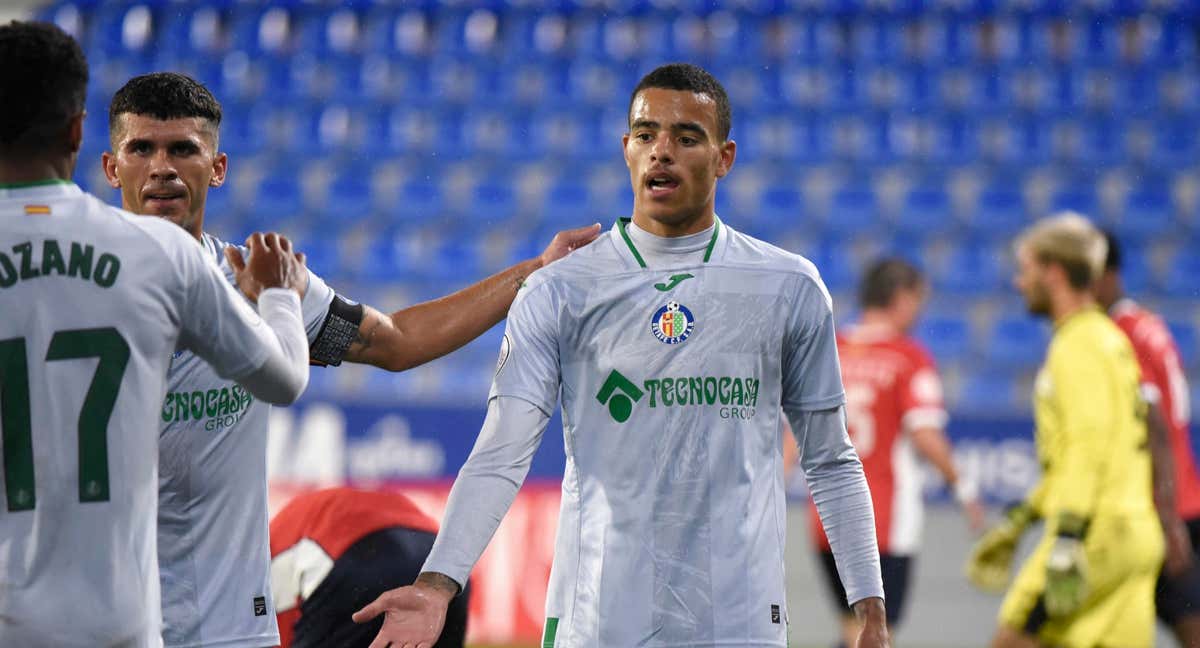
<point x="712" y="244"/>
<point x="35" y="183"/>
<point x="623" y="223"/>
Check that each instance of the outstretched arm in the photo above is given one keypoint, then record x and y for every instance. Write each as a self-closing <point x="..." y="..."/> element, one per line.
<point x="430" y="330"/>
<point x="482" y="494"/>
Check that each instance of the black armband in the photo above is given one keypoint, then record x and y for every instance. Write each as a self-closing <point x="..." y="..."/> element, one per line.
<point x="338" y="332"/>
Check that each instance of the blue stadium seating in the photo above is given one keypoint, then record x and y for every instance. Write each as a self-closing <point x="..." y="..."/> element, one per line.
<point x="989" y="393"/>
<point x="464" y="98"/>
<point x="1183" y="275"/>
<point x="948" y="337"/>
<point x="1017" y="342"/>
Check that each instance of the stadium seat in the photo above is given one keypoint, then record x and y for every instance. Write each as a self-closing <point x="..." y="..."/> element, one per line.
<point x="780" y="203"/>
<point x="1080" y="200"/>
<point x="349" y="197"/>
<point x="1183" y="275"/>
<point x="987" y="393"/>
<point x="948" y="337"/>
<point x="494" y="202"/>
<point x="1017" y="342"/>
<point x="1000" y="212"/>
<point x="853" y="211"/>
<point x="569" y="201"/>
<point x="1148" y="212"/>
<point x="279" y="193"/>
<point x="970" y="268"/>
<point x="926" y="209"/>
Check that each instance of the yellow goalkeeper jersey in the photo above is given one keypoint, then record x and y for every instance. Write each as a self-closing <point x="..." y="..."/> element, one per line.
<point x="1091" y="430"/>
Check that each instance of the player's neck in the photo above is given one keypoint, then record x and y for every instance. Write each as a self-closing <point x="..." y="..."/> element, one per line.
<point x="879" y="321"/>
<point x="699" y="223"/>
<point x="1069" y="303"/>
<point x="31" y="171"/>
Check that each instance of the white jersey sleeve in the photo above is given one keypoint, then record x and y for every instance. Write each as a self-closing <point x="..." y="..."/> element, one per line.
<point x="812" y="398"/>
<point x="528" y="366"/>
<point x="218" y="324"/>
<point x="486" y="485"/>
<point x="315" y="305"/>
<point x="812" y="376"/>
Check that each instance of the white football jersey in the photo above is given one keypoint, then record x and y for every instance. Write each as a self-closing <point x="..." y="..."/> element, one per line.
<point x="95" y="301"/>
<point x="214" y="555"/>
<point x="671" y="531"/>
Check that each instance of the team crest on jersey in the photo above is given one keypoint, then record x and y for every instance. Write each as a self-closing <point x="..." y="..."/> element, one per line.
<point x="672" y="323"/>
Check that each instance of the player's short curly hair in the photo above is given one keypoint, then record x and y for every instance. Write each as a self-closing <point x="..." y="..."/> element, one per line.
<point x="164" y="95"/>
<point x="693" y="78"/>
<point x="43" y="82"/>
<point x="884" y="278"/>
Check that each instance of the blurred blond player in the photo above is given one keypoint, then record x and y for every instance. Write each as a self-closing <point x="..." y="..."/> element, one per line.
<point x="1090" y="581"/>
<point x="894" y="413"/>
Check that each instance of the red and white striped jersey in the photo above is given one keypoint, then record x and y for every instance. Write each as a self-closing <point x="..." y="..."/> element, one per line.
<point x="892" y="387"/>
<point x="1164" y="382"/>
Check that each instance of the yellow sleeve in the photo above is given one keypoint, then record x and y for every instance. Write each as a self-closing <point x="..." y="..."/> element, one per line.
<point x="1036" y="499"/>
<point x="1085" y="422"/>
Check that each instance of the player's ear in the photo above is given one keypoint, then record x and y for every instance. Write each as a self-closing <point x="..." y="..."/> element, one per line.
<point x="109" y="162"/>
<point x="625" y="149"/>
<point x="220" y="166"/>
<point x="728" y="153"/>
<point x="75" y="132"/>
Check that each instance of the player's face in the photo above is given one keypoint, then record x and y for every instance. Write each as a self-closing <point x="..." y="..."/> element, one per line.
<point x="1108" y="288"/>
<point x="165" y="167"/>
<point x="674" y="156"/>
<point x="1030" y="280"/>
<point x="908" y="304"/>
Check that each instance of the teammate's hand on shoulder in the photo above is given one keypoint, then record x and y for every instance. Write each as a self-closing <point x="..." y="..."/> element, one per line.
<point x="414" y="615"/>
<point x="272" y="264"/>
<point x="568" y="241"/>
<point x="872" y="614"/>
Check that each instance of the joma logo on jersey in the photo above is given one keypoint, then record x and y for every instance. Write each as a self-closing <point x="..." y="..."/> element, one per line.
<point x="222" y="407"/>
<point x="738" y="397"/>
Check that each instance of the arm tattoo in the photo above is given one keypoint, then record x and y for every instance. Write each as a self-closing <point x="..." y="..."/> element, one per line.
<point x="362" y="341"/>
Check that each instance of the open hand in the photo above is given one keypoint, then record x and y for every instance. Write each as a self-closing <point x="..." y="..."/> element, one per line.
<point x="272" y="264"/>
<point x="414" y="615"/>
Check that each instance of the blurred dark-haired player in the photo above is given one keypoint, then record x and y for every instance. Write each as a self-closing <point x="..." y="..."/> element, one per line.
<point x="93" y="302"/>
<point x="212" y="517"/>
<point x="894" y="414"/>
<point x="335" y="550"/>
<point x="1176" y="484"/>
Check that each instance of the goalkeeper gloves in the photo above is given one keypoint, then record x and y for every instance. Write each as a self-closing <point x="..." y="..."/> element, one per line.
<point x="1066" y="568"/>
<point x="991" y="558"/>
